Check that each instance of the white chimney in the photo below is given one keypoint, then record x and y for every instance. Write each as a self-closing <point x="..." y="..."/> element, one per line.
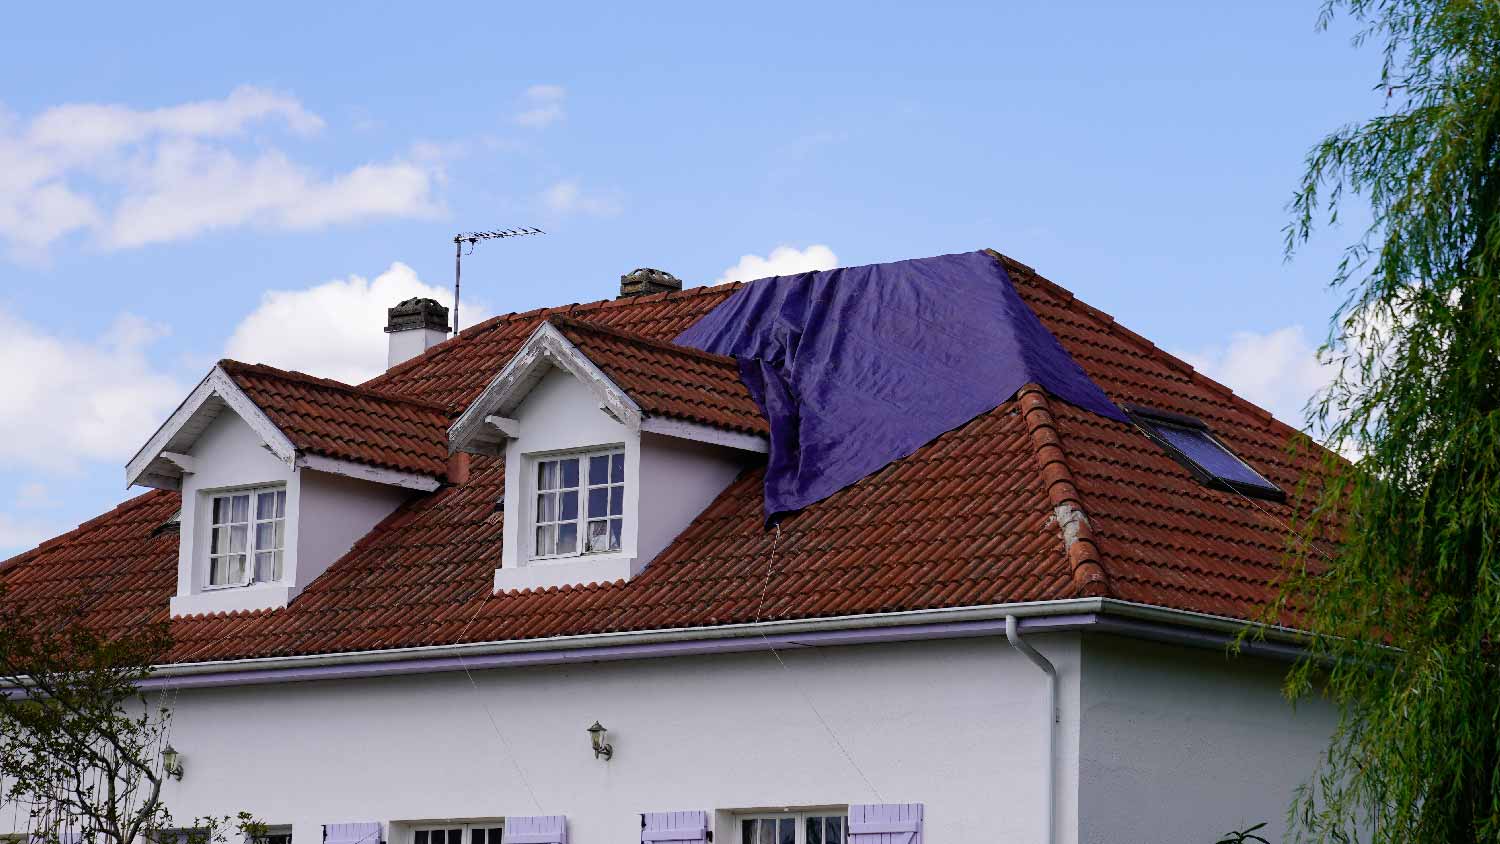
<point x="414" y="326"/>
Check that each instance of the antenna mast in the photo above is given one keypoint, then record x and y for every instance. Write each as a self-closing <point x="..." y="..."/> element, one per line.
<point x="473" y="238"/>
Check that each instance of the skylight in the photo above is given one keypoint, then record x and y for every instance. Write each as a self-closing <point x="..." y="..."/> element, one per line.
<point x="1191" y="443"/>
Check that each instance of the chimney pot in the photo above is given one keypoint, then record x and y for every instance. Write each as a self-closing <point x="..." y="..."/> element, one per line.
<point x="648" y="280"/>
<point x="414" y="326"/>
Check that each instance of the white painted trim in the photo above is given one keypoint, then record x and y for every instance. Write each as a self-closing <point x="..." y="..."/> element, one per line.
<point x="183" y="462"/>
<point x="546" y="347"/>
<point x="705" y="434"/>
<point x="505" y="425"/>
<point x="374" y="474"/>
<point x="146" y="465"/>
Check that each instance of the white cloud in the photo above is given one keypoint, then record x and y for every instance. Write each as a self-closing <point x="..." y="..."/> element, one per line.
<point x="19" y="534"/>
<point x="568" y="197"/>
<point x="67" y="401"/>
<point x="783" y="260"/>
<point x="35" y="496"/>
<point x="1278" y="370"/>
<point x="333" y="330"/>
<point x="190" y="187"/>
<point x="543" y="106"/>
<point x="129" y="177"/>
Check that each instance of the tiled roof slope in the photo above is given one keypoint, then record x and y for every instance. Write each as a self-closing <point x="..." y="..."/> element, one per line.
<point x="333" y="419"/>
<point x="665" y="379"/>
<point x="970" y="518"/>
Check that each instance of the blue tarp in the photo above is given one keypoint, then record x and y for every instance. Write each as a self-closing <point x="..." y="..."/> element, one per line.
<point x="857" y="367"/>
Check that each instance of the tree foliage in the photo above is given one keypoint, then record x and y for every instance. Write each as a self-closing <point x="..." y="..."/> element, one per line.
<point x="1406" y="618"/>
<point x="80" y="743"/>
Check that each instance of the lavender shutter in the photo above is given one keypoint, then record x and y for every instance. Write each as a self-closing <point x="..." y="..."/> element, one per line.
<point x="352" y="833"/>
<point x="674" y="826"/>
<point x="541" y="829"/>
<point x="885" y="823"/>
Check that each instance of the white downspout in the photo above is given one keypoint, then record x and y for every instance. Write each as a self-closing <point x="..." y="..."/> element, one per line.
<point x="1013" y="633"/>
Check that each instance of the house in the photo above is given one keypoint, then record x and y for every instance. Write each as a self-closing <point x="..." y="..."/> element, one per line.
<point x="522" y="587"/>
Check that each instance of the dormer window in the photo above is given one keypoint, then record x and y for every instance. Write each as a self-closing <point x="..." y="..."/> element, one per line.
<point x="247" y="541"/>
<point x="580" y="504"/>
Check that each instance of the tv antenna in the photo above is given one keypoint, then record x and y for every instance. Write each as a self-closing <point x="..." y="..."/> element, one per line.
<point x="473" y="238"/>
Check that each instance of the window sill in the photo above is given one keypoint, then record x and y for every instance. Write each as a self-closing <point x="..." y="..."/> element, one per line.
<point x="257" y="596"/>
<point x="567" y="571"/>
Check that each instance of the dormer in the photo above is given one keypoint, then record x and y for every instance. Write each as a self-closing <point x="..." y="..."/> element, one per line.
<point x="613" y="444"/>
<point x="280" y="474"/>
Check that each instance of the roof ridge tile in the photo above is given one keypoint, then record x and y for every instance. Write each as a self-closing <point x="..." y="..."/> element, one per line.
<point x="1089" y="577"/>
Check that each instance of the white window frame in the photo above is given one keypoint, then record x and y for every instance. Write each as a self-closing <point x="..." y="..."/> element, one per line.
<point x="468" y="827"/>
<point x="583" y="517"/>
<point x="799" y="820"/>
<point x="252" y="520"/>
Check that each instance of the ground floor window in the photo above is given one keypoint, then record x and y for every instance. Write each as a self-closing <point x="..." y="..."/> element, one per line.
<point x="825" y="827"/>
<point x="483" y="832"/>
<point x="274" y="835"/>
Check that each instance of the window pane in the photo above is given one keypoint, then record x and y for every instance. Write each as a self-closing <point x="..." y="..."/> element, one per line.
<point x="835" y="831"/>
<point x="236" y="568"/>
<point x="617" y="467"/>
<point x="747" y="832"/>
<point x="599" y="469"/>
<point x="237" y="536"/>
<point x="599" y="536"/>
<point x="240" y="510"/>
<point x="767" y="832"/>
<point x="617" y="500"/>
<point x="814" y="831"/>
<point x="614" y="534"/>
<point x="221" y="510"/>
<point x="420" y="837"/>
<point x="569" y="472"/>
<point x="455" y="836"/>
<point x="218" y="541"/>
<point x="546" y="540"/>
<point x="268" y="566"/>
<point x="546" y="507"/>
<point x="546" y="474"/>
<point x="477" y="836"/>
<point x="598" y="502"/>
<point x="569" y="506"/>
<point x="265" y="536"/>
<point x="281" y="534"/>
<point x="215" y="572"/>
<point x="265" y="505"/>
<point x="567" y="538"/>
<point x="788" y="831"/>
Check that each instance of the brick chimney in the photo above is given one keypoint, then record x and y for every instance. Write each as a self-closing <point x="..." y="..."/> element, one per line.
<point x="647" y="280"/>
<point x="414" y="326"/>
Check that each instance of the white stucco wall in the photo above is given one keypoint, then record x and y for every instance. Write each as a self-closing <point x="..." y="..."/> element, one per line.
<point x="333" y="513"/>
<point x="1183" y="744"/>
<point x="957" y="725"/>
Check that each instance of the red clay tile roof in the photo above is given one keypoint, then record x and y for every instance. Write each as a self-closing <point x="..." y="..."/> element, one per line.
<point x="333" y="419"/>
<point x="971" y="518"/>
<point x="665" y="379"/>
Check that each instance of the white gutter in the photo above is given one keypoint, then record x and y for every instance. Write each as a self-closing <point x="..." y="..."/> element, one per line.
<point x="1013" y="633"/>
<point x="992" y="612"/>
<point x="1186" y="621"/>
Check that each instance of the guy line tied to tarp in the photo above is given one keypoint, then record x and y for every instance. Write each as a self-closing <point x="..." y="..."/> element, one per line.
<point x="857" y="367"/>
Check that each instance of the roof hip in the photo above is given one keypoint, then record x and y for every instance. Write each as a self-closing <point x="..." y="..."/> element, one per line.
<point x="1089" y="577"/>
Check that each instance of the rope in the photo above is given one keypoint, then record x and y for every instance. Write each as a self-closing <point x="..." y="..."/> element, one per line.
<point x="760" y="607"/>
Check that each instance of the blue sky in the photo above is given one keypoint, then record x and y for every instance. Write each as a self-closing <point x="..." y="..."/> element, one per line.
<point x="180" y="184"/>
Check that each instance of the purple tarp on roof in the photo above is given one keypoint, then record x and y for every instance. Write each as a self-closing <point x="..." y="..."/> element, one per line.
<point x="857" y="367"/>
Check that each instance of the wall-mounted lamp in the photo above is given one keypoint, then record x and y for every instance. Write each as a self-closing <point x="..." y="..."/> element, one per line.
<point x="602" y="748"/>
<point x="171" y="762"/>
